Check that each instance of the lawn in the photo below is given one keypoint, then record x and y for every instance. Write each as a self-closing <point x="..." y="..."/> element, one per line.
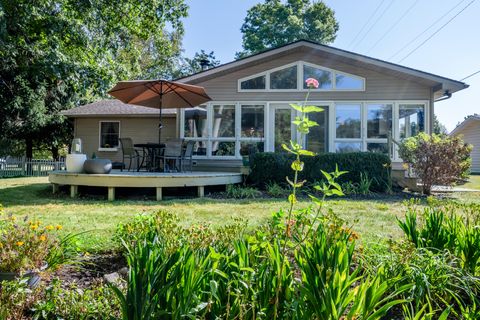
<point x="372" y="218"/>
<point x="473" y="183"/>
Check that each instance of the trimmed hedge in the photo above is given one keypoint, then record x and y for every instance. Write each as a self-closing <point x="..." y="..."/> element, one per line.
<point x="274" y="167"/>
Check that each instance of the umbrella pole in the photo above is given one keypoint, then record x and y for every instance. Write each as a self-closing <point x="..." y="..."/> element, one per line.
<point x="160" y="115"/>
<point x="160" y="125"/>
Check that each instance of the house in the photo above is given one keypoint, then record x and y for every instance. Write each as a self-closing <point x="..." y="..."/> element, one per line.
<point x="365" y="100"/>
<point x="469" y="129"/>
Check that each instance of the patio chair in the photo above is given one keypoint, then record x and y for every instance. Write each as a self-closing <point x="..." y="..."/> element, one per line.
<point x="187" y="155"/>
<point x="173" y="151"/>
<point x="130" y="152"/>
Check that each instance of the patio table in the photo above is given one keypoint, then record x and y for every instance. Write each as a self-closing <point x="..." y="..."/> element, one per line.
<point x="149" y="150"/>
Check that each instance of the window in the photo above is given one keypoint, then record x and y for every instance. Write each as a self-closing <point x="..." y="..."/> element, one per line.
<point x="109" y="134"/>
<point x="411" y="119"/>
<point x="324" y="77"/>
<point x="257" y="83"/>
<point x="228" y="130"/>
<point x="284" y="78"/>
<point x="348" y="121"/>
<point x="346" y="82"/>
<point x="316" y="140"/>
<point x="342" y="147"/>
<point x="252" y="119"/>
<point x="293" y="76"/>
<point x="195" y="124"/>
<point x="223" y="121"/>
<point x="379" y="120"/>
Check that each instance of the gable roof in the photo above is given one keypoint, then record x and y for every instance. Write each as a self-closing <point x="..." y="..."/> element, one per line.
<point x="114" y="107"/>
<point x="470" y="119"/>
<point x="438" y="83"/>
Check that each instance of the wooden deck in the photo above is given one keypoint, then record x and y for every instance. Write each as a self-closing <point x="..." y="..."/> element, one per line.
<point x="157" y="180"/>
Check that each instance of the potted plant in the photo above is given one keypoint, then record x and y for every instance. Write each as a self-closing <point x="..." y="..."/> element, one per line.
<point x="25" y="248"/>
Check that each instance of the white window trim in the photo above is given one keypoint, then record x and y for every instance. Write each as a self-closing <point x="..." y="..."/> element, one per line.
<point x="114" y="149"/>
<point x="300" y="88"/>
<point x="268" y="138"/>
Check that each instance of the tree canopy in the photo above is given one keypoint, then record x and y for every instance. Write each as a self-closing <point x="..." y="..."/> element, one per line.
<point x="56" y="54"/>
<point x="273" y="23"/>
<point x="200" y="61"/>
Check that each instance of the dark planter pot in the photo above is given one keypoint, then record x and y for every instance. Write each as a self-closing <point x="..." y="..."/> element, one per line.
<point x="97" y="166"/>
<point x="33" y="278"/>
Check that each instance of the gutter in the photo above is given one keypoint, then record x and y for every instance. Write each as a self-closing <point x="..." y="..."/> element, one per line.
<point x="446" y="95"/>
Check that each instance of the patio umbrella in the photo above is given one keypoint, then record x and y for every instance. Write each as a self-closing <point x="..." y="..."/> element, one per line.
<point x="159" y="94"/>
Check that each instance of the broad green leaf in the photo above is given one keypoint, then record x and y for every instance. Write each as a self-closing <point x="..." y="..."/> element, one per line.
<point x="303" y="152"/>
<point x="296" y="107"/>
<point x="308" y="109"/>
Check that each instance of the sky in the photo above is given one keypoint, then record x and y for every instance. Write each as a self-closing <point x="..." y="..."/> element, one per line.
<point x="383" y="29"/>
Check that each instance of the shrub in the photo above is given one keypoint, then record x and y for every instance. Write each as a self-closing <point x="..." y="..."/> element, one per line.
<point x="17" y="298"/>
<point x="97" y="302"/>
<point x="267" y="167"/>
<point x="275" y="190"/>
<point x="26" y="245"/>
<point x="436" y="159"/>
<point x="241" y="192"/>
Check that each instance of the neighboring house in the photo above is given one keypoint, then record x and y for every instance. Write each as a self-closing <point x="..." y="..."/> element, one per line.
<point x="469" y="129"/>
<point x="365" y="100"/>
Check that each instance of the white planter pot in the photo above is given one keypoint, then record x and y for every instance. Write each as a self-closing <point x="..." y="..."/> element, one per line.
<point x="74" y="162"/>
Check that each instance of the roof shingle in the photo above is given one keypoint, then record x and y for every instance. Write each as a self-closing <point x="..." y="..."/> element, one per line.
<point x="114" y="107"/>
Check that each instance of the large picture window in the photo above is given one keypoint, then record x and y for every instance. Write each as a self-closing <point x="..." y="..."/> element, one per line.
<point x="109" y="134"/>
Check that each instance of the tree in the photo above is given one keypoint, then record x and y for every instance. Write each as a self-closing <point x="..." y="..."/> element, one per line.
<point x="436" y="159"/>
<point x="200" y="61"/>
<point x="272" y="24"/>
<point x="438" y="127"/>
<point x="58" y="54"/>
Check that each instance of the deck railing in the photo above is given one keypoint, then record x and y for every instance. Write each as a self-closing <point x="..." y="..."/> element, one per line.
<point x="18" y="167"/>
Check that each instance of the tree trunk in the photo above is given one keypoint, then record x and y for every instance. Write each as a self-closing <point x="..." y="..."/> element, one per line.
<point x="29" y="148"/>
<point x="54" y="150"/>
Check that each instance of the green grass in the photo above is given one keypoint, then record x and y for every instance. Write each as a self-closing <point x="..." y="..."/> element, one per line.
<point x="32" y="197"/>
<point x="473" y="183"/>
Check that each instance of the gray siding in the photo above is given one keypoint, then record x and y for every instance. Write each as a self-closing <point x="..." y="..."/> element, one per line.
<point x="141" y="130"/>
<point x="471" y="135"/>
<point x="379" y="86"/>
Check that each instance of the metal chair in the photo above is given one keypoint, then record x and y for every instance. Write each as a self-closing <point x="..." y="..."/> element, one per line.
<point x="173" y="151"/>
<point x="187" y="155"/>
<point x="130" y="152"/>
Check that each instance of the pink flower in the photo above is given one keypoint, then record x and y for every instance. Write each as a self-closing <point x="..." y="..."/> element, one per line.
<point x="312" y="83"/>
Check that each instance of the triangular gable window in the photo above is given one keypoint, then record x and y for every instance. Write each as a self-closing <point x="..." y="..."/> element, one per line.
<point x="293" y="76"/>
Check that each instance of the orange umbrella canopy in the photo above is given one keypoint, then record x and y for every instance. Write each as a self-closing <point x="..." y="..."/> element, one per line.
<point x="159" y="94"/>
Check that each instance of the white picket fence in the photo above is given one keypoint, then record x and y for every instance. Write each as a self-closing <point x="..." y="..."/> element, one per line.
<point x="15" y="167"/>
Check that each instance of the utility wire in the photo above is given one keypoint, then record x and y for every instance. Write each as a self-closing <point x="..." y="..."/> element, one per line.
<point x="424" y="31"/>
<point x="471" y="75"/>
<point x="366" y="23"/>
<point x="393" y="26"/>
<point x="376" y="21"/>
<point x="438" y="30"/>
